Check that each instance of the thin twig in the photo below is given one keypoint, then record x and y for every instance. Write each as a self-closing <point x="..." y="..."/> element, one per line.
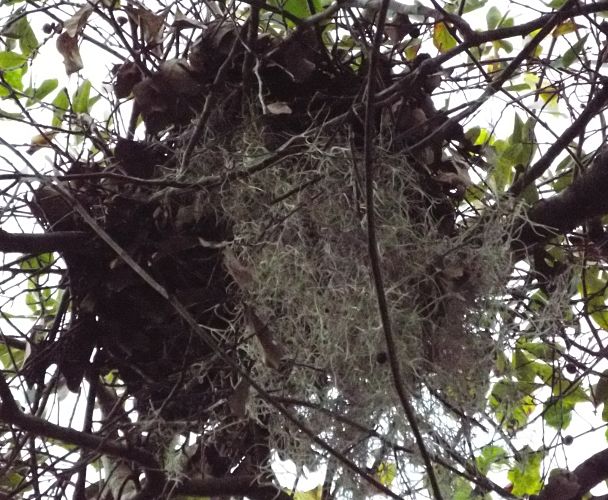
<point x="368" y="153"/>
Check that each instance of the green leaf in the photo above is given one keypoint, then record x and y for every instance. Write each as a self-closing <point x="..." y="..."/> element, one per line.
<point x="386" y="473"/>
<point x="31" y="301"/>
<point x="11" y="358"/>
<point x="472" y="5"/>
<point x="523" y="134"/>
<point x="503" y="365"/>
<point x="571" y="54"/>
<point x="564" y="28"/>
<point x="501" y="155"/>
<point x="518" y="129"/>
<point x="523" y="366"/>
<point x="297" y="8"/>
<point x="491" y="455"/>
<point x="462" y="489"/>
<point x="518" y="87"/>
<point x="556" y="4"/>
<point x="11" y="60"/>
<point x="502" y="44"/>
<point x="28" y="42"/>
<point x="557" y="412"/>
<point x="80" y="100"/>
<point x="512" y="402"/>
<point x="544" y="372"/>
<point x="593" y="289"/>
<point x="61" y="104"/>
<point x="314" y="494"/>
<point x="11" y="82"/>
<point x="442" y="38"/>
<point x="18" y="28"/>
<point x="11" y="480"/>
<point x="37" y="262"/>
<point x="525" y="477"/>
<point x="39" y="93"/>
<point x="541" y="350"/>
<point x="493" y="17"/>
<point x="472" y="134"/>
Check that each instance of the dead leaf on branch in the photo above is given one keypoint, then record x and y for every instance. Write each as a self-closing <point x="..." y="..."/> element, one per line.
<point x="238" y="400"/>
<point x="68" y="48"/>
<point x="40" y="141"/>
<point x="183" y="22"/>
<point x="67" y="42"/>
<point x="151" y="26"/>
<point x="241" y="274"/>
<point x="273" y="351"/>
<point x="75" y="24"/>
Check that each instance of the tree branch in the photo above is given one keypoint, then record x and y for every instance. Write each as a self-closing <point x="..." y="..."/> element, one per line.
<point x="12" y="414"/>
<point x="374" y="254"/>
<point x="237" y="486"/>
<point x="584" y="199"/>
<point x="573" y="485"/>
<point x="59" y="241"/>
<point x="535" y="171"/>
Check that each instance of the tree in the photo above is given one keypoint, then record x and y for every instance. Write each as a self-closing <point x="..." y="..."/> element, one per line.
<point x="288" y="231"/>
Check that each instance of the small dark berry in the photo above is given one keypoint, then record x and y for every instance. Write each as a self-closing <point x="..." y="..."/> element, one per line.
<point x="568" y="440"/>
<point x="571" y="368"/>
<point x="381" y="358"/>
<point x="121" y="20"/>
<point x="48" y="28"/>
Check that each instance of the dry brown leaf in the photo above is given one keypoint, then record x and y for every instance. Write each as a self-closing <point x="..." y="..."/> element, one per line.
<point x="279" y="108"/>
<point x="40" y="141"/>
<point x="75" y="24"/>
<point x="238" y="400"/>
<point x="241" y="274"/>
<point x="182" y="22"/>
<point x="68" y="48"/>
<point x="272" y="350"/>
<point x="151" y="26"/>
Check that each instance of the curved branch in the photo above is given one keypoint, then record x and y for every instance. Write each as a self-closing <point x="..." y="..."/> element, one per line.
<point x="584" y="199"/>
<point x="573" y="485"/>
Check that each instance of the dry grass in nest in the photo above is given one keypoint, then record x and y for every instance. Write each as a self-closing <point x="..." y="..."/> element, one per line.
<point x="308" y="253"/>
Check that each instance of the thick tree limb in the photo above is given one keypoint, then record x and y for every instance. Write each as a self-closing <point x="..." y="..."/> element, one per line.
<point x="584" y="199"/>
<point x="59" y="241"/>
<point x="573" y="485"/>
<point x="237" y="486"/>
